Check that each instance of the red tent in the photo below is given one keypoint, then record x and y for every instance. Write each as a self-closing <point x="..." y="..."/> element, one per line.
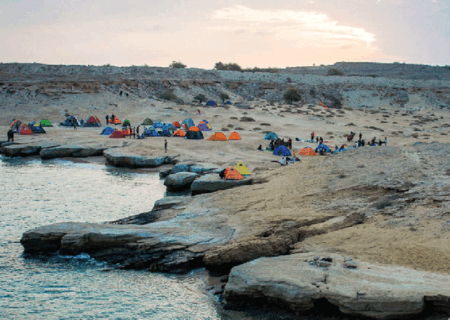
<point x="117" y="134"/>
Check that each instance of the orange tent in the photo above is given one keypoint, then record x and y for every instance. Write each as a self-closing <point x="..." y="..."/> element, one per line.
<point x="234" y="136"/>
<point x="127" y="131"/>
<point x="25" y="130"/>
<point x="194" y="128"/>
<point x="218" y="136"/>
<point x="117" y="134"/>
<point x="179" y="133"/>
<point x="176" y="124"/>
<point x="307" y="152"/>
<point x="232" y="174"/>
<point x="116" y="121"/>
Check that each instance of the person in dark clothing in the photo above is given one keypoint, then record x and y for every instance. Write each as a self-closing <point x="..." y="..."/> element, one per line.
<point x="317" y="139"/>
<point x="74" y="123"/>
<point x="222" y="173"/>
<point x="363" y="143"/>
<point x="271" y="145"/>
<point x="10" y="135"/>
<point x="290" y="143"/>
<point x="137" y="130"/>
<point x="320" y="140"/>
<point x="165" y="145"/>
<point x="282" y="142"/>
<point x="120" y="93"/>
<point x="126" y="94"/>
<point x="134" y="133"/>
<point x="360" y="136"/>
<point x="260" y="147"/>
<point x="107" y="119"/>
<point x="113" y="117"/>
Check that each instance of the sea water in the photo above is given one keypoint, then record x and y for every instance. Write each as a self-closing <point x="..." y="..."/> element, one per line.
<point x="35" y="193"/>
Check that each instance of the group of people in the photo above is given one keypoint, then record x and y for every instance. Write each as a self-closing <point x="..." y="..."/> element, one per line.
<point x="113" y="117"/>
<point x="280" y="142"/>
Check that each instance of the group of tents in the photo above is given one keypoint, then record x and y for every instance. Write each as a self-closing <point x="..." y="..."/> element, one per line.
<point x="31" y="128"/>
<point x="72" y="121"/>
<point x="237" y="172"/>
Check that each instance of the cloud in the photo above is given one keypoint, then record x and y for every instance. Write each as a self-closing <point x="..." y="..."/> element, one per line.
<point x="296" y="26"/>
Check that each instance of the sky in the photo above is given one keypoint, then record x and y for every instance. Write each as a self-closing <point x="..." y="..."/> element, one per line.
<point x="199" y="33"/>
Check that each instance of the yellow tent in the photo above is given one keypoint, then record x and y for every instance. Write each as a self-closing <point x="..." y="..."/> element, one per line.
<point x="242" y="169"/>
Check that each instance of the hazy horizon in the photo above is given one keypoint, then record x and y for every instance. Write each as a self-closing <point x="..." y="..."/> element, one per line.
<point x="249" y="33"/>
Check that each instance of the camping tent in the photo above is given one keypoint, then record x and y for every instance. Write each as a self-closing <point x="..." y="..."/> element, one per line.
<point x="281" y="151"/>
<point x="107" y="131"/>
<point x="92" y="121"/>
<point x="168" y="126"/>
<point x="228" y="102"/>
<point x="179" y="133"/>
<point x="126" y="123"/>
<point x="307" y="152"/>
<point x="25" y="130"/>
<point x="194" y="133"/>
<point x="45" y="123"/>
<point x="165" y="133"/>
<point x="70" y="121"/>
<point x="204" y="126"/>
<point x="270" y="136"/>
<point x="16" y="124"/>
<point x="151" y="132"/>
<point x="232" y="174"/>
<point x="218" y="136"/>
<point x="188" y="122"/>
<point x="176" y="124"/>
<point x="322" y="147"/>
<point x="117" y="134"/>
<point x="36" y="128"/>
<point x="115" y="121"/>
<point x="158" y="124"/>
<point x="242" y="169"/>
<point x="234" y="136"/>
<point x="211" y="103"/>
<point x="147" y="122"/>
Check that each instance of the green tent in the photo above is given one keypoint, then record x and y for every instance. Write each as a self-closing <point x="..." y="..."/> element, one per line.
<point x="45" y="123"/>
<point x="147" y="122"/>
<point x="126" y="123"/>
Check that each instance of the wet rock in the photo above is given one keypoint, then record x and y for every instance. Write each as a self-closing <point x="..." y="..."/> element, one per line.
<point x="350" y="264"/>
<point x="70" y="151"/>
<point x="180" y="180"/>
<point x="181" y="167"/>
<point x="20" y="150"/>
<point x="373" y="291"/>
<point x="164" y="173"/>
<point x="212" y="182"/>
<point x="203" y="168"/>
<point x="118" y="159"/>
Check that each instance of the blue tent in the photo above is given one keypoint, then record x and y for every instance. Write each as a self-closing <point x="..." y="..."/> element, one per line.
<point x="322" y="147"/>
<point x="151" y="132"/>
<point x="271" y="136"/>
<point x="282" y="151"/>
<point x="165" y="133"/>
<point x="169" y="126"/>
<point x="158" y="124"/>
<point x="228" y="102"/>
<point x="188" y="122"/>
<point x="107" y="131"/>
<point x="70" y="121"/>
<point x="211" y="103"/>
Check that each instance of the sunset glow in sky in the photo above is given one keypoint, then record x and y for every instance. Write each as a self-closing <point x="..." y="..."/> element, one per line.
<point x="200" y="33"/>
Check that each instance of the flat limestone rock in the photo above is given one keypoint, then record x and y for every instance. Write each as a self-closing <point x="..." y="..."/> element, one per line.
<point x="20" y="150"/>
<point x="59" y="152"/>
<point x="367" y="290"/>
<point x="212" y="182"/>
<point x="180" y="180"/>
<point x="118" y="159"/>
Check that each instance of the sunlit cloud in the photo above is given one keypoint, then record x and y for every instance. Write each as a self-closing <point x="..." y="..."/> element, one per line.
<point x="290" y="25"/>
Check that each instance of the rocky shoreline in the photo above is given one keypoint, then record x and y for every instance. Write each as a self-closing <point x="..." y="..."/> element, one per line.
<point x="272" y="261"/>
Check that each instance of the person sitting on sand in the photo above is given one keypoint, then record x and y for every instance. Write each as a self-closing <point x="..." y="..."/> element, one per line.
<point x="260" y="148"/>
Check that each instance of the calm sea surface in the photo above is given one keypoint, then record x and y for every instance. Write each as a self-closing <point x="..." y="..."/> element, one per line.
<point x="35" y="193"/>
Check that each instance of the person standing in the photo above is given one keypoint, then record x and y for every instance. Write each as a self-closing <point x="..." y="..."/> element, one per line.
<point x="74" y="123"/>
<point x="290" y="143"/>
<point x="312" y="136"/>
<point x="385" y="141"/>
<point x="165" y="145"/>
<point x="10" y="135"/>
<point x="107" y="119"/>
<point x="137" y="129"/>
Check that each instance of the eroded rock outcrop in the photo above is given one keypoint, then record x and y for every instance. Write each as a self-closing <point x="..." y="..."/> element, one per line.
<point x="118" y="159"/>
<point x="180" y="180"/>
<point x="212" y="182"/>
<point x="357" y="288"/>
<point x="20" y="150"/>
<point x="71" y="151"/>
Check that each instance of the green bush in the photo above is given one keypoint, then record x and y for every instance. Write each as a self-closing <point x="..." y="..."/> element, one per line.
<point x="224" y="96"/>
<point x="292" y="95"/>
<point x="169" y="95"/>
<point x="335" y="72"/>
<point x="200" y="98"/>
<point x="227" y="66"/>
<point x="177" y="65"/>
